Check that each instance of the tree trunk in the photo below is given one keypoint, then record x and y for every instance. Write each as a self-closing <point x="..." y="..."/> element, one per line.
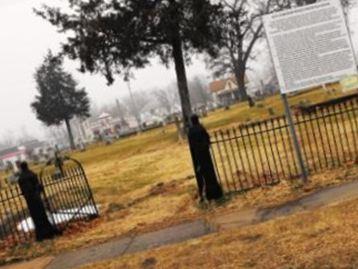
<point x="139" y="123"/>
<point x="180" y="130"/>
<point x="182" y="80"/>
<point x="241" y="83"/>
<point x="187" y="109"/>
<point x="70" y="134"/>
<point x="83" y="132"/>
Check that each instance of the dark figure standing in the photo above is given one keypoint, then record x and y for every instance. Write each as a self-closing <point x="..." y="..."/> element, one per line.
<point x="31" y="190"/>
<point x="58" y="161"/>
<point x="199" y="141"/>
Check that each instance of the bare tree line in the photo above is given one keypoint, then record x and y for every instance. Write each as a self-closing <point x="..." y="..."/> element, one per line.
<point x="164" y="100"/>
<point x="243" y="31"/>
<point x="9" y="139"/>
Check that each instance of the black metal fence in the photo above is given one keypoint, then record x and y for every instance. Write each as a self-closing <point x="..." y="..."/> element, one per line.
<point x="261" y="153"/>
<point x="67" y="197"/>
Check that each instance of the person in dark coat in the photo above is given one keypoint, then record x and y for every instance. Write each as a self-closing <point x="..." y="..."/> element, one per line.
<point x="199" y="142"/>
<point x="31" y="190"/>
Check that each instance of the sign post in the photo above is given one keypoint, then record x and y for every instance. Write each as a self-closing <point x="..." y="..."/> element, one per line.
<point x="309" y="46"/>
<point x="295" y="141"/>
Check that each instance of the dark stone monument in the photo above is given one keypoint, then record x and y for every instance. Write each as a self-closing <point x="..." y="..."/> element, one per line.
<point x="31" y="190"/>
<point x="199" y="141"/>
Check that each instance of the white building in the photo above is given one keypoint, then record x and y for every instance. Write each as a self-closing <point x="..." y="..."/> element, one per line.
<point x="148" y="118"/>
<point x="104" y="125"/>
<point x="226" y="92"/>
<point x="25" y="152"/>
<point x="11" y="155"/>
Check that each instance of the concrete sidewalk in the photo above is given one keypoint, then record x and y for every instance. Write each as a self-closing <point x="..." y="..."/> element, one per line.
<point x="195" y="229"/>
<point x="129" y="245"/>
<point x="324" y="197"/>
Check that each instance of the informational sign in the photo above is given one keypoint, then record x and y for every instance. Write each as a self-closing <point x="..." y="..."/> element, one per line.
<point x="349" y="83"/>
<point x="310" y="45"/>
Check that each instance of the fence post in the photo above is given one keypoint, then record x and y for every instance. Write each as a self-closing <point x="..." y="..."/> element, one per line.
<point x="296" y="144"/>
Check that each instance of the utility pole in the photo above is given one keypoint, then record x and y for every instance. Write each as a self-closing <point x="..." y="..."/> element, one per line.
<point x="119" y="110"/>
<point x="134" y="105"/>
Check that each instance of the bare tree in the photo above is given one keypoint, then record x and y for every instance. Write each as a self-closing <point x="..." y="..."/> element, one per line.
<point x="199" y="92"/>
<point x="136" y="103"/>
<point x="9" y="139"/>
<point x="95" y="109"/>
<point x="167" y="98"/>
<point x="116" y="109"/>
<point x="242" y="29"/>
<point x="24" y="135"/>
<point x="57" y="134"/>
<point x="269" y="83"/>
<point x="119" y="110"/>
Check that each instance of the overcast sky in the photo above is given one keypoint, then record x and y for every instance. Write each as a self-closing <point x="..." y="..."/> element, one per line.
<point x="25" y="39"/>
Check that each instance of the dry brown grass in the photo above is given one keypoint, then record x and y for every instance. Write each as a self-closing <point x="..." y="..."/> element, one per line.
<point x="145" y="182"/>
<point x="158" y="207"/>
<point x="325" y="238"/>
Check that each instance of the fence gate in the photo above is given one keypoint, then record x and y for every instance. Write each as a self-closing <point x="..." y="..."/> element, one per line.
<point x="67" y="197"/>
<point x="261" y="153"/>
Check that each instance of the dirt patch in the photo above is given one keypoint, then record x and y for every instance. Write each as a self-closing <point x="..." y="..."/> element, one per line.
<point x="250" y="238"/>
<point x="149" y="263"/>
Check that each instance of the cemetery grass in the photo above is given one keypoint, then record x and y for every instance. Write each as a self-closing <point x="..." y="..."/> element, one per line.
<point x="145" y="182"/>
<point x="324" y="238"/>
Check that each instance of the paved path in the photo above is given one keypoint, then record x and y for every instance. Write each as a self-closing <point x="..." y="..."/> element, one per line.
<point x="139" y="243"/>
<point x="318" y="199"/>
<point x="196" y="229"/>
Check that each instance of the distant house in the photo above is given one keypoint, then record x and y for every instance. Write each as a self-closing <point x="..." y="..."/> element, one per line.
<point x="152" y="118"/>
<point x="25" y="152"/>
<point x="9" y="156"/>
<point x="101" y="126"/>
<point x="104" y="124"/>
<point x="226" y="92"/>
